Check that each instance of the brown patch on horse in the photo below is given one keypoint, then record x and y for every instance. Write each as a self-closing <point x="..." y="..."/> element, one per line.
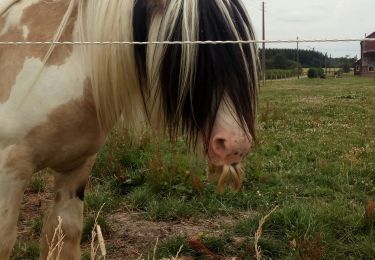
<point x="70" y="135"/>
<point x="9" y="70"/>
<point x="35" y="18"/>
<point x="42" y="20"/>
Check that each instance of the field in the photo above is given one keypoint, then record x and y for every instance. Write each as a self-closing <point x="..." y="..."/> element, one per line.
<point x="314" y="160"/>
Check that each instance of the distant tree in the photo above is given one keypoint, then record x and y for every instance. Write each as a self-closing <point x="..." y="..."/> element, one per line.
<point x="275" y="59"/>
<point x="311" y="73"/>
<point x="315" y="73"/>
<point x="346" y="67"/>
<point x="280" y="62"/>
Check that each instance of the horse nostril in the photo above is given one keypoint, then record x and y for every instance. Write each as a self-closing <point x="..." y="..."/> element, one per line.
<point x="220" y="143"/>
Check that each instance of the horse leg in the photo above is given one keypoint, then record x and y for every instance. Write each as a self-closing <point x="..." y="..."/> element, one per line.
<point x="15" y="174"/>
<point x="68" y="204"/>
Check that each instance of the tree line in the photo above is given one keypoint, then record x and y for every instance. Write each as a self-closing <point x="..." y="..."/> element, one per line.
<point x="287" y="59"/>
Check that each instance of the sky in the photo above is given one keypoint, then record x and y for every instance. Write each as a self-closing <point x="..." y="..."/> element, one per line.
<point x="315" y="19"/>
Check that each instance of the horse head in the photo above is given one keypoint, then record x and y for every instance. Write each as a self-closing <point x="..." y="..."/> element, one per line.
<point x="205" y="92"/>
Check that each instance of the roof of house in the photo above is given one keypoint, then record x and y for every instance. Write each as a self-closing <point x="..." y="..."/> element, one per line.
<point x="369" y="47"/>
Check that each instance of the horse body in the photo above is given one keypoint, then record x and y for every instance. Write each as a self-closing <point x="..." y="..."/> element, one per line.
<point x="50" y="103"/>
<point x="54" y="125"/>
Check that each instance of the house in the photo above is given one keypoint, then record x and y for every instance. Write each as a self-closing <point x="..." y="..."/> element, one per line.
<point x="365" y="66"/>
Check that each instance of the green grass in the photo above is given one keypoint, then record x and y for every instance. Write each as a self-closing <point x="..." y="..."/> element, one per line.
<point x="314" y="158"/>
<point x="38" y="183"/>
<point x="26" y="250"/>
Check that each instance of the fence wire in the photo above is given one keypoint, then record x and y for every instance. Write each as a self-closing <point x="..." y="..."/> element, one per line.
<point x="183" y="42"/>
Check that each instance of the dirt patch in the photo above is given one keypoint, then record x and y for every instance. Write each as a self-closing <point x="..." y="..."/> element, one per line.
<point x="131" y="234"/>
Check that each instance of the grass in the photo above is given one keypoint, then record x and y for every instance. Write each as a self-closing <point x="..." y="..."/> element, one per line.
<point x="314" y="158"/>
<point x="26" y="250"/>
<point x="280" y="73"/>
<point x="38" y="183"/>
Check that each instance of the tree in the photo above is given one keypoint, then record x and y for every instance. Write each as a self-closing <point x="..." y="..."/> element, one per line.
<point x="346" y="67"/>
<point x="280" y="62"/>
<point x="315" y="73"/>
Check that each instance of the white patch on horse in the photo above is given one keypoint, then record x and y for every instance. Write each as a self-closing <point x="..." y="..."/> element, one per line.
<point x="14" y="14"/>
<point x="57" y="86"/>
<point x="5" y="4"/>
<point x="25" y="32"/>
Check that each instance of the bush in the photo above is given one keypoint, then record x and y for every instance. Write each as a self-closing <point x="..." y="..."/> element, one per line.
<point x="315" y="73"/>
<point x="346" y="67"/>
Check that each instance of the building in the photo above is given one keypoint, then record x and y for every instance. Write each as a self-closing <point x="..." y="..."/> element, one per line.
<point x="365" y="66"/>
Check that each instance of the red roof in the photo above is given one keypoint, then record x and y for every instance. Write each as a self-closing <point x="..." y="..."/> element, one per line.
<point x="369" y="47"/>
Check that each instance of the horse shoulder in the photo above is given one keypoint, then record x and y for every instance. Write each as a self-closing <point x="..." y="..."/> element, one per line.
<point x="55" y="117"/>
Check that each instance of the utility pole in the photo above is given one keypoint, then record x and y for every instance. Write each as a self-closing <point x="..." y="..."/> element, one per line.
<point x="297" y="57"/>
<point x="264" y="46"/>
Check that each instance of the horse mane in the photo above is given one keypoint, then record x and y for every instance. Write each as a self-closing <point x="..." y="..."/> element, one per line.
<point x="111" y="68"/>
<point x="176" y="87"/>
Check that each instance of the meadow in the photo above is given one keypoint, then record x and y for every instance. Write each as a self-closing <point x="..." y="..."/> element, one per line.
<point x="314" y="161"/>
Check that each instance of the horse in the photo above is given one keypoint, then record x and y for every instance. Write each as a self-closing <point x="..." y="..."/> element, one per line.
<point x="59" y="102"/>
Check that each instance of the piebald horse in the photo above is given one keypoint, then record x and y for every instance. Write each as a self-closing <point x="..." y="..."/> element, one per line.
<point x="59" y="102"/>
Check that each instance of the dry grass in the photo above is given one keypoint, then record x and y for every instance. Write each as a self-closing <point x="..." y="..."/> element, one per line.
<point x="57" y="242"/>
<point x="97" y="240"/>
<point x="258" y="233"/>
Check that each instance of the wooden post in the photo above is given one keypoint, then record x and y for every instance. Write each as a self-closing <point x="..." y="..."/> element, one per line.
<point x="297" y="57"/>
<point x="264" y="45"/>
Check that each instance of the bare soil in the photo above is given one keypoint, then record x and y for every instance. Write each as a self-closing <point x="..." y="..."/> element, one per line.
<point x="131" y="235"/>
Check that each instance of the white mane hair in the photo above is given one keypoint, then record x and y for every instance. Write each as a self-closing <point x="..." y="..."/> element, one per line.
<point x="111" y="68"/>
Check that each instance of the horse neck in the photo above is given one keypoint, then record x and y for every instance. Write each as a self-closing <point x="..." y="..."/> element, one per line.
<point x="111" y="67"/>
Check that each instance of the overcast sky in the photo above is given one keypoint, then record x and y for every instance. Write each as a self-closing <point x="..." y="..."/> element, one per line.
<point x="312" y="19"/>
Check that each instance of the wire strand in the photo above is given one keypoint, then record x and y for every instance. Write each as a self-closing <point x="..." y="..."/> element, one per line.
<point x="182" y="42"/>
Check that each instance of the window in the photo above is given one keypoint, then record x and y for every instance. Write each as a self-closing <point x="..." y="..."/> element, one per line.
<point x="371" y="68"/>
<point x="357" y="68"/>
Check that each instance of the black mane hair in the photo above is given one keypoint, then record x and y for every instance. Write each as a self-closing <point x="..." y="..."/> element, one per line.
<point x="221" y="72"/>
